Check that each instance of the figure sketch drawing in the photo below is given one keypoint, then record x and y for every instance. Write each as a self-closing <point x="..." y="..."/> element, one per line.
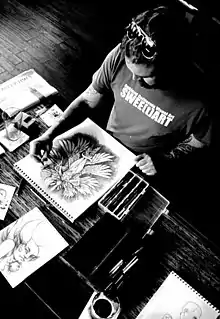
<point x="78" y="167"/>
<point x="19" y="245"/>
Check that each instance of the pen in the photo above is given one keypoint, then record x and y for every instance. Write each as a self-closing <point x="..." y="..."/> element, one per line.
<point x="114" y="269"/>
<point x="130" y="264"/>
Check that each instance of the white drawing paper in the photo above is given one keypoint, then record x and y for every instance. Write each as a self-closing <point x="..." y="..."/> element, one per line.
<point x="175" y="299"/>
<point x="26" y="245"/>
<point x="6" y="194"/>
<point x="24" y="90"/>
<point x="83" y="164"/>
<point x="2" y="151"/>
<point x="51" y="116"/>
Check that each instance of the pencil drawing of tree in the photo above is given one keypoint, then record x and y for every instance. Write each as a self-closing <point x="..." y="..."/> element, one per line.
<point x="79" y="167"/>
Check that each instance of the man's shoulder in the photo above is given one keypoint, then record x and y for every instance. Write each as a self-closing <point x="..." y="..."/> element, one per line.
<point x="115" y="57"/>
<point x="116" y="51"/>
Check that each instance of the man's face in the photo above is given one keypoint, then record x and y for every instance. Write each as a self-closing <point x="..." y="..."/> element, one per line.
<point x="141" y="71"/>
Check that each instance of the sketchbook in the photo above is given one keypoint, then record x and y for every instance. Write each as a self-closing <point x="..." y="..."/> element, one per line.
<point x="26" y="245"/>
<point x="176" y="299"/>
<point x="83" y="164"/>
<point x="24" y="90"/>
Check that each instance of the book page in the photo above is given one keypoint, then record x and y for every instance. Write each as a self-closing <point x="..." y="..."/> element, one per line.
<point x="175" y="299"/>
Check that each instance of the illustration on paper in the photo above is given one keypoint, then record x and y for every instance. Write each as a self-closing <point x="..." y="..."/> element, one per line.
<point x="79" y="167"/>
<point x="6" y="194"/>
<point x="3" y="198"/>
<point x="190" y="310"/>
<point x="26" y="244"/>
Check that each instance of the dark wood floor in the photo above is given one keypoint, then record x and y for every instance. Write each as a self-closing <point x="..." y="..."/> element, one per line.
<point x="56" y="38"/>
<point x="65" y="41"/>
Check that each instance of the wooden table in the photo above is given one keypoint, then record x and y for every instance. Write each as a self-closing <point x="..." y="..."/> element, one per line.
<point x="58" y="290"/>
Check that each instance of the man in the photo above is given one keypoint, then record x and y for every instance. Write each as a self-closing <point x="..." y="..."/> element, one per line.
<point x="148" y="75"/>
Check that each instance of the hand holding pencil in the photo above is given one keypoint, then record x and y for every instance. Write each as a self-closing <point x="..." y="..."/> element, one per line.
<point x="40" y="148"/>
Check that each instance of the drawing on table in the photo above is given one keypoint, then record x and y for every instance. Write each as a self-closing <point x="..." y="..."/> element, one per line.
<point x="6" y="194"/>
<point x="190" y="310"/>
<point x="3" y="198"/>
<point x="79" y="167"/>
<point x="167" y="316"/>
<point x="27" y="244"/>
<point x="19" y="245"/>
<point x="176" y="299"/>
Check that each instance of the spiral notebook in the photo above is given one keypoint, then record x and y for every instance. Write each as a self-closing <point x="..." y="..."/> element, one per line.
<point x="176" y="299"/>
<point x="82" y="165"/>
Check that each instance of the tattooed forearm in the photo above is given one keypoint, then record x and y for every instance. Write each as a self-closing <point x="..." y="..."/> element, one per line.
<point x="186" y="147"/>
<point x="181" y="150"/>
<point x="91" y="96"/>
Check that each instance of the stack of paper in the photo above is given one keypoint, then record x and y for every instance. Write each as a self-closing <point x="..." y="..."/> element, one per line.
<point x="24" y="90"/>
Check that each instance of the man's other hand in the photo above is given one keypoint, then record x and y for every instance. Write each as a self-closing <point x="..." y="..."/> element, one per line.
<point x="145" y="164"/>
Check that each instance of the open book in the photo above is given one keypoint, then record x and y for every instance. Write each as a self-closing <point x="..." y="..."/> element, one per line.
<point x="24" y="90"/>
<point x="176" y="299"/>
<point x="83" y="164"/>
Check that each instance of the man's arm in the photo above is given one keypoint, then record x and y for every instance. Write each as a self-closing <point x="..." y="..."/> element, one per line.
<point x="76" y="112"/>
<point x="186" y="147"/>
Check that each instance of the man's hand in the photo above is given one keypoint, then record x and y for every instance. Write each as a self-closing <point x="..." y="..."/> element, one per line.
<point x="146" y="165"/>
<point x="40" y="148"/>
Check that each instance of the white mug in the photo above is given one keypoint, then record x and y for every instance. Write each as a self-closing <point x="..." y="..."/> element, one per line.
<point x="104" y="308"/>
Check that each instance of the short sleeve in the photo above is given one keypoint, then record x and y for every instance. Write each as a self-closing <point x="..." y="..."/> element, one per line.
<point x="102" y="78"/>
<point x="203" y="127"/>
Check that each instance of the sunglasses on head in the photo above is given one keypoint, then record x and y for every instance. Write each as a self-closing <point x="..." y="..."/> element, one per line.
<point x="134" y="31"/>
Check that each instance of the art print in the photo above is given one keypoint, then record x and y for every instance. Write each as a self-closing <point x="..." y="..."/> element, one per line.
<point x="6" y="194"/>
<point x="26" y="245"/>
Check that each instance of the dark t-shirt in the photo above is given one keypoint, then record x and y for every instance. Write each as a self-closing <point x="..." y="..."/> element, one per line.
<point x="147" y="119"/>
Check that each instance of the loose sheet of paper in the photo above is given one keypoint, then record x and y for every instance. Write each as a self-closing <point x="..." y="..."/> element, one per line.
<point x="51" y="116"/>
<point x="6" y="194"/>
<point x="26" y="245"/>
